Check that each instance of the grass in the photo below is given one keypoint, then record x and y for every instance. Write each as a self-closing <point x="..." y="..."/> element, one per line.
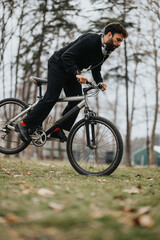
<point x="44" y="200"/>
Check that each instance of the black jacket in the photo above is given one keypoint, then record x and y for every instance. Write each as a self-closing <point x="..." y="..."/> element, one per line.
<point x="82" y="53"/>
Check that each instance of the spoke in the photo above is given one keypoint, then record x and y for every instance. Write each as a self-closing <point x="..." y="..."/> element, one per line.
<point x="94" y="160"/>
<point x="8" y="110"/>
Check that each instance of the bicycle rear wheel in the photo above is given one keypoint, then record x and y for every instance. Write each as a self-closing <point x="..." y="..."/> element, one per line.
<point x="94" y="147"/>
<point x="10" y="142"/>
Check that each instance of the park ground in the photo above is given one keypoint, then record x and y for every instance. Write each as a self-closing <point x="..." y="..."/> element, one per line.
<point x="48" y="200"/>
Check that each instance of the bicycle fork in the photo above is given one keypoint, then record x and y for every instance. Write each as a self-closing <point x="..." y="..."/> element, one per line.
<point x="90" y="134"/>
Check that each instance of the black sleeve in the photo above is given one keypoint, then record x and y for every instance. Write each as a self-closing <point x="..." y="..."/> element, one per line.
<point x="79" y="49"/>
<point x="96" y="73"/>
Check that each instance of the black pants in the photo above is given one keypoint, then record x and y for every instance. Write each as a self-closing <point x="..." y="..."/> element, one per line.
<point x="58" y="79"/>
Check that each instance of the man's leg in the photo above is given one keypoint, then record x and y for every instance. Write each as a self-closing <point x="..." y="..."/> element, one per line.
<point x="71" y="88"/>
<point x="44" y="106"/>
<point x="56" y="80"/>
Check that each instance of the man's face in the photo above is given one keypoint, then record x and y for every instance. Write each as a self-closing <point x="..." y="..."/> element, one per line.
<point x="114" y="41"/>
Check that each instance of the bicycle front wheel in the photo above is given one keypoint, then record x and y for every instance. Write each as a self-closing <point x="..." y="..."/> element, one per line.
<point x="10" y="142"/>
<point x="94" y="147"/>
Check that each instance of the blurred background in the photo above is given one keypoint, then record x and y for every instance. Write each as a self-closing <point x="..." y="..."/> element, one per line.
<point x="30" y="33"/>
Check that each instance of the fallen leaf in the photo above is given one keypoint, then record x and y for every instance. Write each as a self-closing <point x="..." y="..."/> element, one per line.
<point x="8" y="172"/>
<point x="101" y="180"/>
<point x="45" y="192"/>
<point x="146" y="221"/>
<point x="120" y="197"/>
<point x="129" y="209"/>
<point x="150" y="178"/>
<point x="28" y="186"/>
<point x="11" y="218"/>
<point x="144" y="210"/>
<point x="26" y="173"/>
<point x="56" y="206"/>
<point x="138" y="175"/>
<point x="132" y="190"/>
<point x="17" y="175"/>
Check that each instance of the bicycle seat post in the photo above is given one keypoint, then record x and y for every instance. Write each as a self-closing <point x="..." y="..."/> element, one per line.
<point x="40" y="91"/>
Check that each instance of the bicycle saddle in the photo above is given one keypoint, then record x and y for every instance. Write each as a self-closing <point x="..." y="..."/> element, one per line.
<point x="38" y="81"/>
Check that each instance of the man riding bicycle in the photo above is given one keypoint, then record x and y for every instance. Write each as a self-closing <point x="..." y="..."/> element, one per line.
<point x="64" y="68"/>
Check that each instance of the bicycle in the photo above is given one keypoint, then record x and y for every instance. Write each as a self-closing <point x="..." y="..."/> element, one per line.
<point x="94" y="144"/>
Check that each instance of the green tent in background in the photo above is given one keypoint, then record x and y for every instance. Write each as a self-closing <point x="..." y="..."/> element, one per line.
<point x="140" y="157"/>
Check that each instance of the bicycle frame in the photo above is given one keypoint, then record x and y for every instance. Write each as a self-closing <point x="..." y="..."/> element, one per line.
<point x="83" y="102"/>
<point x="74" y="110"/>
<point x="61" y="120"/>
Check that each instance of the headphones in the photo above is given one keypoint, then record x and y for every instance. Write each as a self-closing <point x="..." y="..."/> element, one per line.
<point x="104" y="47"/>
<point x="105" y="50"/>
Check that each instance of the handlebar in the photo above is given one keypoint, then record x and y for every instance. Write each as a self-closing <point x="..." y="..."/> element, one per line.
<point x="92" y="86"/>
<point x="99" y="86"/>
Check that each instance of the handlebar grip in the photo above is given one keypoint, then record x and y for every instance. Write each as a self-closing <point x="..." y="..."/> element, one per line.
<point x="100" y="86"/>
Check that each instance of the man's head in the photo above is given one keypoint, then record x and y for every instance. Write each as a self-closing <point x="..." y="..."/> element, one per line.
<point x="114" y="33"/>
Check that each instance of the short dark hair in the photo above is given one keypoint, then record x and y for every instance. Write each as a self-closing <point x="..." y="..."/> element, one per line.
<point x="115" y="27"/>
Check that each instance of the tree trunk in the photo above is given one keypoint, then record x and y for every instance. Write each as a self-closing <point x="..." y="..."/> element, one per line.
<point x="147" y="127"/>
<point x="116" y="103"/>
<point x="152" y="153"/>
<point x="128" y="144"/>
<point x="2" y="48"/>
<point x="19" y="47"/>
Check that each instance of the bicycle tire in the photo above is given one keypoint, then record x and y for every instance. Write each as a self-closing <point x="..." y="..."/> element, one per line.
<point x="91" y="163"/>
<point x="10" y="142"/>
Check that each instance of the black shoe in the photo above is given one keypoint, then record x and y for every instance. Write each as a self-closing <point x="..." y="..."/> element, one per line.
<point x="59" y="135"/>
<point x="23" y="132"/>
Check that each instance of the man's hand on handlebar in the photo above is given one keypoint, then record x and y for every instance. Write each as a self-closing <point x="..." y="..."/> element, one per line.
<point x="103" y="85"/>
<point x="81" y="79"/>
